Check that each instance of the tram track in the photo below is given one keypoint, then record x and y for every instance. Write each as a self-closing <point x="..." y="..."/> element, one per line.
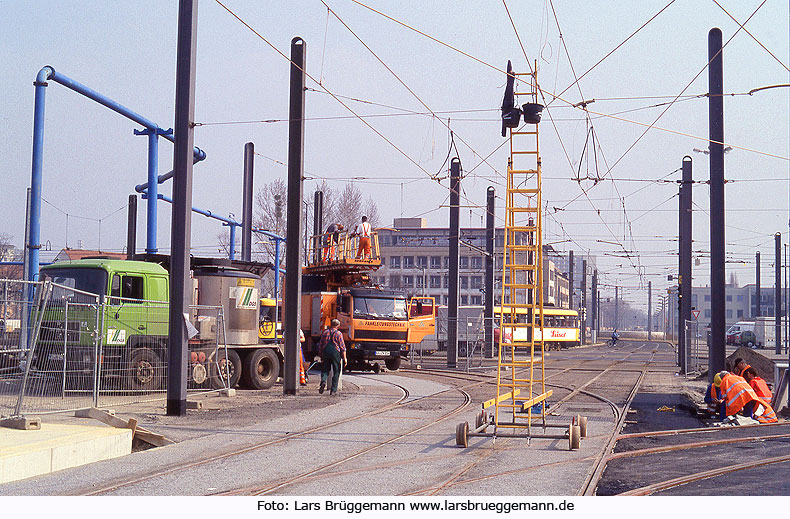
<point x="619" y="416"/>
<point x="320" y="471"/>
<point x="250" y="448"/>
<point x="458" y="478"/>
<point x="708" y="474"/>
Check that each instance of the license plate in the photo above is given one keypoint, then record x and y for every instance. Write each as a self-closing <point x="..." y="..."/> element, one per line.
<point x="382" y="353"/>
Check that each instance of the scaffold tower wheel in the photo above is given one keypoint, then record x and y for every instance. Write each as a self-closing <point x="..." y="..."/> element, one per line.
<point x="521" y="377"/>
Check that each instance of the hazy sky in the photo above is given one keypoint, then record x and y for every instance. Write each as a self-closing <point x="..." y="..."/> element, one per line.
<point x="126" y="50"/>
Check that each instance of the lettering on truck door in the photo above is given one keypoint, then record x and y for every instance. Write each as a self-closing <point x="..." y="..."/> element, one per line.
<point x="126" y="315"/>
<point x="422" y="320"/>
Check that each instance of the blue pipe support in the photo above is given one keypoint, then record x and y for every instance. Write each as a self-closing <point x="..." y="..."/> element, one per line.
<point x="277" y="269"/>
<point x="233" y="224"/>
<point x="48" y="73"/>
<point x="232" y="248"/>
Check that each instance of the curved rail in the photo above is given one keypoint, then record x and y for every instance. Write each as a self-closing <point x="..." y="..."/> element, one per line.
<point x="683" y="480"/>
<point x="254" y="447"/>
<point x="316" y="473"/>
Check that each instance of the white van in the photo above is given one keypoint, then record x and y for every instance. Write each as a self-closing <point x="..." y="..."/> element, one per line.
<point x="734" y="331"/>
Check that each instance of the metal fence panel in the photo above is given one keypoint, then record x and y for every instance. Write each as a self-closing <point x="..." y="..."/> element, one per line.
<point x="69" y="349"/>
<point x="696" y="349"/>
<point x="16" y="329"/>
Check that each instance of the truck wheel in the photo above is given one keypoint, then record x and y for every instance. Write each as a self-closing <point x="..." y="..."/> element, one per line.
<point x="224" y="369"/>
<point x="146" y="371"/>
<point x="393" y="364"/>
<point x="261" y="368"/>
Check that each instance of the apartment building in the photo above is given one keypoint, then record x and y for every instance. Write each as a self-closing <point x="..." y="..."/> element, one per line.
<point x="416" y="258"/>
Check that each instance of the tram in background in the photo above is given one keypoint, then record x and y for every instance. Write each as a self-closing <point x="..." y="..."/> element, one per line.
<point x="560" y="326"/>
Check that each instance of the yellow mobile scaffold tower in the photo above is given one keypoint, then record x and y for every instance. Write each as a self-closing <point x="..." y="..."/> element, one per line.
<point x="521" y="395"/>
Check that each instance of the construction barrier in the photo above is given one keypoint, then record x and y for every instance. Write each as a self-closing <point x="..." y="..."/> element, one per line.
<point x="72" y="349"/>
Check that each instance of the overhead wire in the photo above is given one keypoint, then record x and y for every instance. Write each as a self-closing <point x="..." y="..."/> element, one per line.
<point x="741" y="25"/>
<point x="557" y="97"/>
<point x="402" y="82"/>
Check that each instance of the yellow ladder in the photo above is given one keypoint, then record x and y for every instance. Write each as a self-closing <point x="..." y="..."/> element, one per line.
<point x="521" y="366"/>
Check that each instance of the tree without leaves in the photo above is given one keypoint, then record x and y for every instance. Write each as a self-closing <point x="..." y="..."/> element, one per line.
<point x="345" y="207"/>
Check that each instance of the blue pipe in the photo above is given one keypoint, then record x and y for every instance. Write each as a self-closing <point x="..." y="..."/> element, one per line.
<point x="34" y="232"/>
<point x="233" y="224"/>
<point x="151" y="220"/>
<point x="232" y="251"/>
<point x="47" y="73"/>
<point x="277" y="269"/>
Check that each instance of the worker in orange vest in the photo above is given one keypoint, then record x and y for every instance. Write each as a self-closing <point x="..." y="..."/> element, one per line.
<point x="739" y="366"/>
<point x="739" y="397"/>
<point x="758" y="384"/>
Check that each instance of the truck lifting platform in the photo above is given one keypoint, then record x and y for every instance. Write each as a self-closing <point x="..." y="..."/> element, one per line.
<point x="378" y="324"/>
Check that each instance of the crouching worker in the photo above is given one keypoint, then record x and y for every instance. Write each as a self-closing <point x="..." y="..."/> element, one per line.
<point x="713" y="399"/>
<point x="758" y="384"/>
<point x="739" y="397"/>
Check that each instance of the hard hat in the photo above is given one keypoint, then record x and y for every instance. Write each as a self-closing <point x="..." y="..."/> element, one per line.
<point x="717" y="378"/>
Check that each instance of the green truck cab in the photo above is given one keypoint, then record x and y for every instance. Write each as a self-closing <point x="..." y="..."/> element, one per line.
<point x="129" y="305"/>
<point x="108" y="319"/>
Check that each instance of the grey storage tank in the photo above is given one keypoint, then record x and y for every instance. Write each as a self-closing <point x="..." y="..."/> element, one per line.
<point x="238" y="292"/>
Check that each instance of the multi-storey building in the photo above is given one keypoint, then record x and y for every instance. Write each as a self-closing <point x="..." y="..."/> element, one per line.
<point x="740" y="303"/>
<point x="416" y="258"/>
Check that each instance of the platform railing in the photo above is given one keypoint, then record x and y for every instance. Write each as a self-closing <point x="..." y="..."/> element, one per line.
<point x="341" y="248"/>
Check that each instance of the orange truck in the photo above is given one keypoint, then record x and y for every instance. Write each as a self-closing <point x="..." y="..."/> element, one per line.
<point x="378" y="325"/>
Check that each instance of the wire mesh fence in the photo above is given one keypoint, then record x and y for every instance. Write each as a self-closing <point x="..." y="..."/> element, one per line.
<point x="696" y="348"/>
<point x="67" y="349"/>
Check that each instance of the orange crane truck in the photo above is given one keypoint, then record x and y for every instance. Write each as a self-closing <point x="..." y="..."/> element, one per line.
<point x="378" y="324"/>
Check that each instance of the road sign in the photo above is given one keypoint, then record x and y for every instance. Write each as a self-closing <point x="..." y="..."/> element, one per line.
<point x="695" y="313"/>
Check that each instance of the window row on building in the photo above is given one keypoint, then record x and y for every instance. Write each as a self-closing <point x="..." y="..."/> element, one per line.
<point x="434" y="262"/>
<point x="428" y="281"/>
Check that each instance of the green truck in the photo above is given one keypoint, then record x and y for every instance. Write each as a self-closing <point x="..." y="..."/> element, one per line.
<point x="130" y="312"/>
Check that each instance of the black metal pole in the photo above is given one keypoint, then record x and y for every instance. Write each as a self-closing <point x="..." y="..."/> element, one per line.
<point x="246" y="219"/>
<point x="570" y="279"/>
<point x="594" y="297"/>
<point x="684" y="270"/>
<point x="757" y="295"/>
<point x="717" y="245"/>
<point x="488" y="350"/>
<point x="649" y="310"/>
<point x="293" y="251"/>
<point x="452" y="297"/>
<point x="778" y="292"/>
<point x="584" y="302"/>
<point x="598" y="317"/>
<point x="318" y="223"/>
<point x="131" y="228"/>
<point x="616" y="310"/>
<point x="180" y="236"/>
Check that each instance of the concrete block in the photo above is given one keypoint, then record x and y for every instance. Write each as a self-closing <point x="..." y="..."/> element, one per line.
<point x="228" y="392"/>
<point x="24" y="454"/>
<point x="193" y="404"/>
<point x="23" y="423"/>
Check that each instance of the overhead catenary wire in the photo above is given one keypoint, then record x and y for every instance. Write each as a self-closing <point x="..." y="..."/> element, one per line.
<point x="340" y="101"/>
<point x="557" y="97"/>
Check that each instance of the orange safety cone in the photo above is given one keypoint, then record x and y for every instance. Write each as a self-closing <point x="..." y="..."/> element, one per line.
<point x="302" y="377"/>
